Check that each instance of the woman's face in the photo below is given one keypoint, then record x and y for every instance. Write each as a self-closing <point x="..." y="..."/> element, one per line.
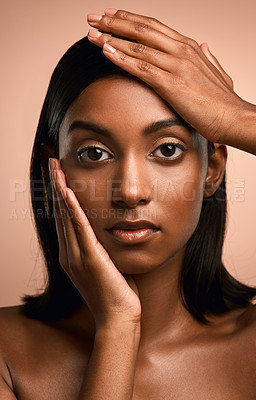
<point x="133" y="173"/>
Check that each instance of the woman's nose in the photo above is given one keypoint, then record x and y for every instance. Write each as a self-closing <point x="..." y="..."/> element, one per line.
<point x="131" y="185"/>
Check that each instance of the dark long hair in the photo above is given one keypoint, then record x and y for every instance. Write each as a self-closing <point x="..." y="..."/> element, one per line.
<point x="205" y="285"/>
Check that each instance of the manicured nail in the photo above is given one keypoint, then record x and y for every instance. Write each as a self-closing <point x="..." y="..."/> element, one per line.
<point x="94" y="33"/>
<point x="108" y="49"/>
<point x="94" y="18"/>
<point x="206" y="45"/>
<point x="51" y="164"/>
<point x="110" y="11"/>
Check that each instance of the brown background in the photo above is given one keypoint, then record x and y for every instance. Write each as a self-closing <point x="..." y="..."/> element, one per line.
<point x="34" y="35"/>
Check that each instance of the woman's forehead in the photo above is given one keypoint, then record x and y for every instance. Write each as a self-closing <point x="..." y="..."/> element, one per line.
<point x="123" y="102"/>
<point x="117" y="100"/>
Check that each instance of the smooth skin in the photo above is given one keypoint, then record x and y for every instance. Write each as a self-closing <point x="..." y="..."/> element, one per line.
<point x="132" y="338"/>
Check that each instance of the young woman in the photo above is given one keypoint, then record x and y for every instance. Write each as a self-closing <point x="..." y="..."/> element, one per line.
<point x="131" y="220"/>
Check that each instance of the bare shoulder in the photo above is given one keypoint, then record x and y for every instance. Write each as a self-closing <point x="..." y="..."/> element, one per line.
<point x="241" y="323"/>
<point x="16" y="327"/>
<point x="8" y="314"/>
<point x="11" y="315"/>
<point x="45" y="353"/>
<point x="12" y="323"/>
<point x="13" y="328"/>
<point x="246" y="334"/>
<point x="22" y="338"/>
<point x="20" y="334"/>
<point x="247" y="319"/>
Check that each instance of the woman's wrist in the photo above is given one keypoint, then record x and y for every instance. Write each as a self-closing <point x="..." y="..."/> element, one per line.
<point x="242" y="129"/>
<point x="118" y="329"/>
<point x="111" y="368"/>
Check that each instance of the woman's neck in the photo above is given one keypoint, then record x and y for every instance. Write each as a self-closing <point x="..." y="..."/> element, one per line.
<point x="163" y="313"/>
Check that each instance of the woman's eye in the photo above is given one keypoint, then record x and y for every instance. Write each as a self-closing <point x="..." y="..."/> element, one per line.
<point x="169" y="151"/>
<point x="91" y="153"/>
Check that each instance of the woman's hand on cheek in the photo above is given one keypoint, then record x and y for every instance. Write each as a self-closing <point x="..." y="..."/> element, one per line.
<point x="110" y="297"/>
<point x="184" y="74"/>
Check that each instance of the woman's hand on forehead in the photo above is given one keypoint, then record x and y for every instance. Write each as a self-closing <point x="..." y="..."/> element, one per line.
<point x="183" y="73"/>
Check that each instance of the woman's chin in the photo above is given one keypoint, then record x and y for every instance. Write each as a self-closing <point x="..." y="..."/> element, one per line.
<point x="134" y="263"/>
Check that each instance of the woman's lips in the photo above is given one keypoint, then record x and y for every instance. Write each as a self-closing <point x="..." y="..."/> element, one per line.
<point x="133" y="235"/>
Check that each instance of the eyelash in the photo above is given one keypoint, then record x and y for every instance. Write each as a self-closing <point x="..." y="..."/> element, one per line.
<point x="175" y="145"/>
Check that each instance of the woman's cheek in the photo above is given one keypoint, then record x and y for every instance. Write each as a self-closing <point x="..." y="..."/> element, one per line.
<point x="92" y="196"/>
<point x="192" y="204"/>
<point x="191" y="191"/>
<point x="183" y="204"/>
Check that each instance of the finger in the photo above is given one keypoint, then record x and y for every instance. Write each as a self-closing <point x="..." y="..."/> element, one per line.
<point x="152" y="33"/>
<point x="143" y="70"/>
<point x="150" y="21"/>
<point x="59" y="227"/>
<point x="170" y="62"/>
<point x="73" y="251"/>
<point x="205" y="49"/>
<point x="80" y="237"/>
<point x="139" y="32"/>
<point x="137" y="50"/>
<point x="57" y="216"/>
<point x="134" y="26"/>
<point x="93" y="254"/>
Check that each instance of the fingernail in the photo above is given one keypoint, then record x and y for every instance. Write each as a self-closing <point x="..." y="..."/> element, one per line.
<point x="110" y="11"/>
<point x="53" y="163"/>
<point x="206" y="44"/>
<point x="94" y="17"/>
<point x="94" y="33"/>
<point x="108" y="49"/>
<point x="50" y="164"/>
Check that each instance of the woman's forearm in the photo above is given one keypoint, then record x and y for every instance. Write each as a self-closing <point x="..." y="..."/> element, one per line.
<point x="110" y="372"/>
<point x="242" y="131"/>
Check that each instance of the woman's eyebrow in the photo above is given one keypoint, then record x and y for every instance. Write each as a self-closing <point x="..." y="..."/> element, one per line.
<point x="152" y="128"/>
<point x="156" y="126"/>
